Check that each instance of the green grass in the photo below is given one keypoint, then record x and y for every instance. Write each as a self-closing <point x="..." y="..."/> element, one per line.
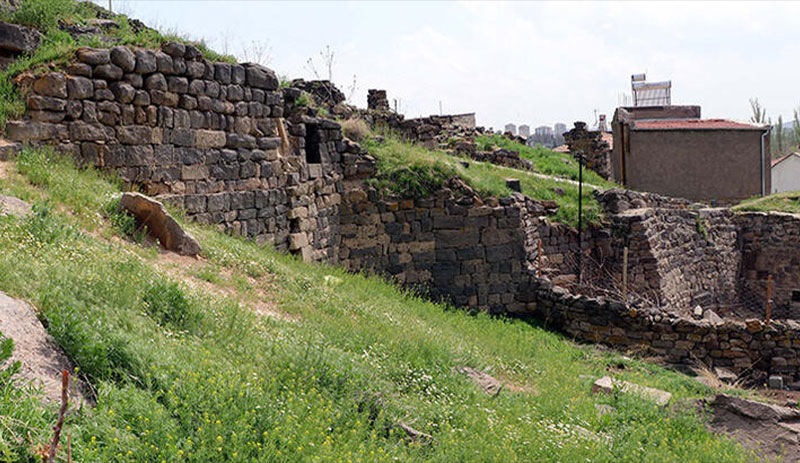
<point x="57" y="47"/>
<point x="544" y="160"/>
<point x="411" y="171"/>
<point x="186" y="375"/>
<point x="779" y="202"/>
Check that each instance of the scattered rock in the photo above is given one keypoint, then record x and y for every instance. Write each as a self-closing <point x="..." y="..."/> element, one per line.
<point x="486" y="382"/>
<point x="771" y="431"/>
<point x="159" y="223"/>
<point x="16" y="39"/>
<point x="415" y="436"/>
<point x="10" y="205"/>
<point x="725" y="375"/>
<point x="607" y="385"/>
<point x="8" y="149"/>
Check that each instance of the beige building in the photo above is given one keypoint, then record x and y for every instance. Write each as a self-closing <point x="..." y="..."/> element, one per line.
<point x="786" y="173"/>
<point x="670" y="150"/>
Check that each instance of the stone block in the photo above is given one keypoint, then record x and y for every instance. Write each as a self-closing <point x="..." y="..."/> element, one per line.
<point x="46" y="103"/>
<point x="82" y="131"/>
<point x="209" y="139"/>
<point x="124" y="58"/>
<point x="260" y="77"/>
<point x="123" y="92"/>
<point x="194" y="172"/>
<point x="297" y="241"/>
<point x="108" y="72"/>
<point x="93" y="56"/>
<point x="52" y="84"/>
<point x="146" y="61"/>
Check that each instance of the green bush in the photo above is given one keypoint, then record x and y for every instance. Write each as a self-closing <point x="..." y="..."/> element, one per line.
<point x="165" y="302"/>
<point x="42" y="14"/>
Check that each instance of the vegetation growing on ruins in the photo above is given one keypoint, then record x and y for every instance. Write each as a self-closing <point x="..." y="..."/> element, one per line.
<point x="52" y="18"/>
<point x="779" y="202"/>
<point x="343" y="360"/>
<point x="544" y="160"/>
<point x="411" y="171"/>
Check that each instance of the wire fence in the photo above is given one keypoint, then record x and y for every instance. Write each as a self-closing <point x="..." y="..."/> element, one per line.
<point x="763" y="298"/>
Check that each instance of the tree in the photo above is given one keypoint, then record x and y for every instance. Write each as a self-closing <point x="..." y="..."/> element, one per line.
<point x="759" y="113"/>
<point x="796" y="129"/>
<point x="779" y="135"/>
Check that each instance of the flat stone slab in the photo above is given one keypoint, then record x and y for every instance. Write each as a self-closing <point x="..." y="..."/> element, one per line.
<point x="771" y="431"/>
<point x="10" y="205"/>
<point x="159" y="223"/>
<point x="42" y="361"/>
<point x="607" y="385"/>
<point x="489" y="384"/>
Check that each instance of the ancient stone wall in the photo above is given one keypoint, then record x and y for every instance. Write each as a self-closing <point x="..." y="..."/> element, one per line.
<point x="211" y="137"/>
<point x="749" y="347"/>
<point x="469" y="253"/>
<point x="595" y="150"/>
<point x="771" y="249"/>
<point x="221" y="141"/>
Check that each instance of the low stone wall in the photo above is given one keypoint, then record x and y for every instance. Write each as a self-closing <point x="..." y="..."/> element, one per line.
<point x="750" y="346"/>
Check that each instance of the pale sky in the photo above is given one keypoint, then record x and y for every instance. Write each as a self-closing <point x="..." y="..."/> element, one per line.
<point x="532" y="63"/>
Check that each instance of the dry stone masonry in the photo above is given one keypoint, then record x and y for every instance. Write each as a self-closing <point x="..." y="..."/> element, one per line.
<point x="223" y="142"/>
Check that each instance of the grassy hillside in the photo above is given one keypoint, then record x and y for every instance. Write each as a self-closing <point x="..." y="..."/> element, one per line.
<point x="249" y="355"/>
<point x="412" y="171"/>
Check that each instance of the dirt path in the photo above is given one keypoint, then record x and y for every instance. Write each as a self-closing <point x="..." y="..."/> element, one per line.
<point x="185" y="268"/>
<point x="41" y="359"/>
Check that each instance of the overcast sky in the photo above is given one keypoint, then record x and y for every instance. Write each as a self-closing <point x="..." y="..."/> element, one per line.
<point x="535" y="63"/>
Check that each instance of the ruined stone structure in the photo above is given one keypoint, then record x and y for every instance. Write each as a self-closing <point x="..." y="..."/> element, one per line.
<point x="210" y="137"/>
<point x="595" y="149"/>
<point x="233" y="150"/>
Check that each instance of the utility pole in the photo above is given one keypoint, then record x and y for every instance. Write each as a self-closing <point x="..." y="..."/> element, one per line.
<point x="581" y="161"/>
<point x="109" y="6"/>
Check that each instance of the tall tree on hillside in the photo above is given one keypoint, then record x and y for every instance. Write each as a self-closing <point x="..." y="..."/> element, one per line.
<point x="796" y="129"/>
<point x="759" y="113"/>
<point x="779" y="136"/>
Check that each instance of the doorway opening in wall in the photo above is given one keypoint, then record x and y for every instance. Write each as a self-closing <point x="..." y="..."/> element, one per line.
<point x="312" y="144"/>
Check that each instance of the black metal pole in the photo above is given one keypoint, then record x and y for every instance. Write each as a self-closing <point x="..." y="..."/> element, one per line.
<point x="580" y="215"/>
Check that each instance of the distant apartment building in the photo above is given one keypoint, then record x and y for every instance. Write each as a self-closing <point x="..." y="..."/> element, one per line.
<point x="543" y="135"/>
<point x="524" y="131"/>
<point x="511" y="128"/>
<point x="559" y="128"/>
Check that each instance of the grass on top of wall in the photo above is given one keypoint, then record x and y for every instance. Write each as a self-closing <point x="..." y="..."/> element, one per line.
<point x="186" y="369"/>
<point x="410" y="171"/>
<point x="545" y="161"/>
<point x="57" y="46"/>
<point x="779" y="202"/>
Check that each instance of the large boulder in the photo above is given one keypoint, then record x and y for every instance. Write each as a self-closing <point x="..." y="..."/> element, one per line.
<point x="159" y="223"/>
<point x="16" y="39"/>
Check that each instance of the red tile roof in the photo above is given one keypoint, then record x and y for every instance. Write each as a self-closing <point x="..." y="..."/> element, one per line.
<point x="693" y="124"/>
<point x="775" y="162"/>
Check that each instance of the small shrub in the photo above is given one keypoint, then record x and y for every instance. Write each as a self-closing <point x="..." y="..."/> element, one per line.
<point x="123" y="223"/>
<point x="42" y="14"/>
<point x="303" y="100"/>
<point x="166" y="303"/>
<point x="355" y="129"/>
